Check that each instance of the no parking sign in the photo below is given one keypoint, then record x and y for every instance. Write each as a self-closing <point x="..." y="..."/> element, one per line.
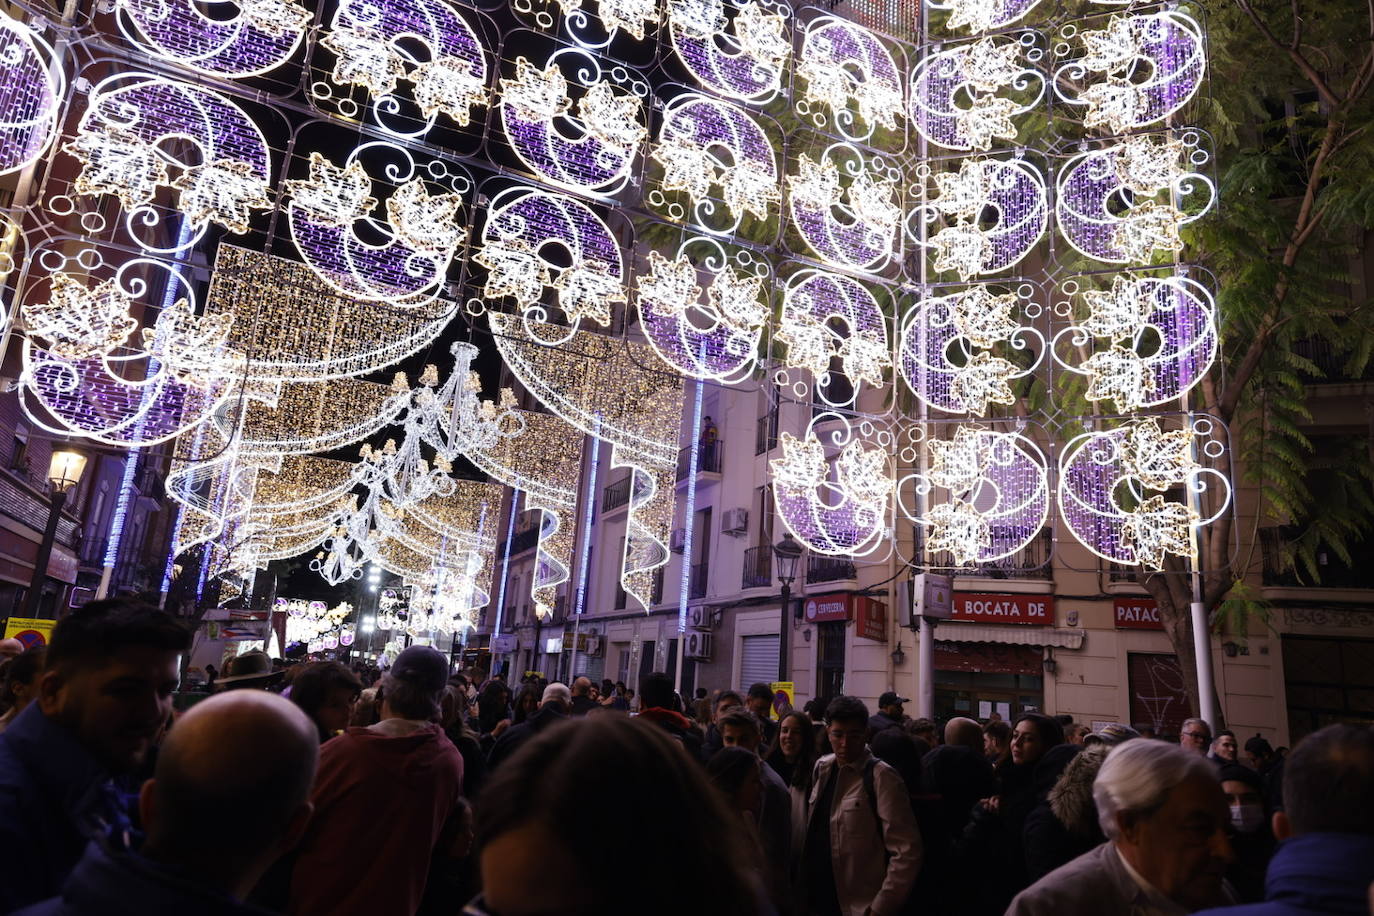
<point x="31" y="631"/>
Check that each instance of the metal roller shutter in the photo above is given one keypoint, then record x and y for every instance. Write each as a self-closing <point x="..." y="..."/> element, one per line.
<point x="758" y="660"/>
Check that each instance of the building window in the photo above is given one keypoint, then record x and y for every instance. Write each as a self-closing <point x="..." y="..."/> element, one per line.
<point x="1327" y="681"/>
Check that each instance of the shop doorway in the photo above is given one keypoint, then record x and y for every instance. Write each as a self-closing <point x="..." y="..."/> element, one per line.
<point x="830" y="659"/>
<point x="983" y="680"/>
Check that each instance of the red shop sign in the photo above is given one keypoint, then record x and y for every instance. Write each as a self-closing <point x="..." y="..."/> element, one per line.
<point x="1035" y="610"/>
<point x="1137" y="614"/>
<point x="828" y="608"/>
<point x="870" y="618"/>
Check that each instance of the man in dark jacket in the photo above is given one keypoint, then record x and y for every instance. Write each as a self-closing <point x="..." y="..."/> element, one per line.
<point x="103" y="698"/>
<point x="244" y="744"/>
<point x="554" y="706"/>
<point x="889" y="714"/>
<point x="582" y="702"/>
<point x="1325" y="860"/>
<point x="656" y="694"/>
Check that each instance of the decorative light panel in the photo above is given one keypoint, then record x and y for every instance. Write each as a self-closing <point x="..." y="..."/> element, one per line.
<point x="123" y="140"/>
<point x="1010" y="193"/>
<point x="374" y="44"/>
<point x="635" y="18"/>
<point x="704" y="311"/>
<point x="304" y="483"/>
<point x="740" y="57"/>
<point x="948" y="352"/>
<point x="1151" y="64"/>
<point x="241" y="38"/>
<point x="851" y="79"/>
<point x="544" y="461"/>
<point x="33" y="87"/>
<point x="422" y="229"/>
<point x="706" y="145"/>
<point x="1108" y="202"/>
<point x="295" y="327"/>
<point x="454" y="420"/>
<point x="834" y="508"/>
<point x="1117" y="490"/>
<point x="521" y="222"/>
<point x="982" y="15"/>
<point x="652" y="501"/>
<point x="587" y="147"/>
<point x="553" y="553"/>
<point x="967" y="97"/>
<point x="846" y="204"/>
<point x="601" y="385"/>
<point x="996" y="495"/>
<point x="1148" y="340"/>
<point x="813" y="301"/>
<point x="311" y="417"/>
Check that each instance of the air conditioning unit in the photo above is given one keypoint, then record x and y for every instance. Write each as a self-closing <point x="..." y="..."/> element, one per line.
<point x="699" y="617"/>
<point x="735" y="522"/>
<point x="677" y="541"/>
<point x="699" y="646"/>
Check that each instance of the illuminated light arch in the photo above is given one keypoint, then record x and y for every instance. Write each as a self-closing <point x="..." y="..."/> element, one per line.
<point x="521" y="222"/>
<point x="1112" y="490"/>
<point x="590" y="149"/>
<point x="33" y="90"/>
<point x="1153" y="65"/>
<point x="983" y="15"/>
<point x="1107" y="200"/>
<point x="123" y="143"/>
<point x="743" y="58"/>
<point x="997" y="495"/>
<point x="842" y="64"/>
<point x="705" y="144"/>
<point x="990" y="75"/>
<point x="1175" y="313"/>
<point x="812" y="300"/>
<point x="422" y="229"/>
<point x="310" y="417"/>
<point x="970" y="323"/>
<point x="295" y="327"/>
<point x="858" y="226"/>
<point x="839" y="510"/>
<point x="261" y="36"/>
<point x="373" y="43"/>
<point x="717" y="338"/>
<point x="1012" y="190"/>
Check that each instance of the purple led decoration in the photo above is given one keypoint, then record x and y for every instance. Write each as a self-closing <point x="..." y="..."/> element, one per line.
<point x="983" y="15"/>
<point x="844" y="529"/>
<point x="719" y="59"/>
<point x="843" y="63"/>
<point x="1011" y="191"/>
<point x="812" y="300"/>
<point x="965" y="97"/>
<point x="842" y="226"/>
<point x="30" y="89"/>
<point x="259" y="37"/>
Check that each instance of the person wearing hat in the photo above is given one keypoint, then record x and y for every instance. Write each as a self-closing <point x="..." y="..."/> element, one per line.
<point x="889" y="714"/>
<point x="1110" y="734"/>
<point x="382" y="798"/>
<point x="249" y="671"/>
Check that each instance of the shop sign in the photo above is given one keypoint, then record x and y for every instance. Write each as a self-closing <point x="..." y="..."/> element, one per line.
<point x="1033" y="610"/>
<point x="505" y="644"/>
<point x="828" y="608"/>
<point x="870" y="618"/>
<point x="31" y="631"/>
<point x="1137" y="614"/>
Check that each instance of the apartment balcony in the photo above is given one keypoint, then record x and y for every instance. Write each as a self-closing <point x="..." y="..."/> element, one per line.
<point x="708" y="459"/>
<point x="758" y="567"/>
<point x="1030" y="562"/>
<point x="820" y="568"/>
<point x="1330" y="362"/>
<point x="1332" y="572"/>
<point x="766" y="433"/>
<point x="616" y="495"/>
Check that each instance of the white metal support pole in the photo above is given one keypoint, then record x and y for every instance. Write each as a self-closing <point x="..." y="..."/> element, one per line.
<point x="688" y="533"/>
<point x="925" y="677"/>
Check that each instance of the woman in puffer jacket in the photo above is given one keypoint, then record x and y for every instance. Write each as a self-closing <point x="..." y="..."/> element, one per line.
<point x="1064" y="825"/>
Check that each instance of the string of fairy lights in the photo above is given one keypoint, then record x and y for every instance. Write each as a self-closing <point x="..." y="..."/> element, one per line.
<point x="226" y="247"/>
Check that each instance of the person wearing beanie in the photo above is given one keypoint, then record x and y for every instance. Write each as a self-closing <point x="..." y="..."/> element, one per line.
<point x="382" y="798"/>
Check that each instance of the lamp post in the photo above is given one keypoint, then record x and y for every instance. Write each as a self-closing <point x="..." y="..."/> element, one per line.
<point x="64" y="472"/>
<point x="786" y="552"/>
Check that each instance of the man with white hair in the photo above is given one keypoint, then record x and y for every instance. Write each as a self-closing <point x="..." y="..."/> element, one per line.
<point x="1167" y="849"/>
<point x="554" y="706"/>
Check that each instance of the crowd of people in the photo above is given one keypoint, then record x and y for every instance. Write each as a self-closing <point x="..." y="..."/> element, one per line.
<point x="321" y="789"/>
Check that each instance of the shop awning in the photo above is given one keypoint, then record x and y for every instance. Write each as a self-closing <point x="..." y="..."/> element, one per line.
<point x="1015" y="636"/>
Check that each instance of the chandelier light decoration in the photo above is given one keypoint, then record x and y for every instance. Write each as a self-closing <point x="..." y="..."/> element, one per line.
<point x="234" y="233"/>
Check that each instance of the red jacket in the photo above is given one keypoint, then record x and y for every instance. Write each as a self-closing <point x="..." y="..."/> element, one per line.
<point x="380" y="804"/>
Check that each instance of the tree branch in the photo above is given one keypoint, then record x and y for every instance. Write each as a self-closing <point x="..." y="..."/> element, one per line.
<point x="1295" y="55"/>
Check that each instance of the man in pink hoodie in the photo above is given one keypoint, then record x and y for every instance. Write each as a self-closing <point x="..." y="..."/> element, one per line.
<point x="381" y="799"/>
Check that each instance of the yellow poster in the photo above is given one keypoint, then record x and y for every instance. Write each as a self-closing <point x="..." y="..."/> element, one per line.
<point x="31" y="631"/>
<point x="782" y="699"/>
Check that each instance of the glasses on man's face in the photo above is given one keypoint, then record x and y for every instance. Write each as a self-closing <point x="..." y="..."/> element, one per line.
<point x="1198" y="736"/>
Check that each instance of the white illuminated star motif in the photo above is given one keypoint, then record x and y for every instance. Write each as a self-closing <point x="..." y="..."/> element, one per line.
<point x="962" y="193"/>
<point x="802" y="466"/>
<point x="670" y="285"/>
<point x="879" y="102"/>
<point x="449" y="85"/>
<point x="534" y="94"/>
<point x="365" y="59"/>
<point x="872" y="203"/>
<point x="1156" y="458"/>
<point x="808" y="343"/>
<point x="816" y="183"/>
<point x="612" y="117"/>
<point x="119" y="163"/>
<point x="963" y="249"/>
<point x="760" y="35"/>
<point x="1119" y="375"/>
<point x="80" y="323"/>
<point x="192" y="347"/>
<point x="584" y="292"/>
<point x="956" y="464"/>
<point x="982" y="317"/>
<point x="1114" y="104"/>
<point x="513" y="269"/>
<point x="989" y="65"/>
<point x="332" y="195"/>
<point x="988" y="117"/>
<point x="979" y="15"/>
<point x="225" y="192"/>
<point x="630" y="15"/>
<point x="686" y="166"/>
<point x="1109" y="49"/>
<point x="1158" y="528"/>
<point x="862" y="474"/>
<point x="749" y="189"/>
<point x="1147" y="227"/>
<point x="275" y="17"/>
<point x="736" y="298"/>
<point x="983" y="380"/>
<point x="826" y="83"/>
<point x="697" y="18"/>
<point x="957" y="527"/>
<point x="1119" y="312"/>
<point x="425" y="222"/>
<point x="1145" y="166"/>
<point x="864" y="358"/>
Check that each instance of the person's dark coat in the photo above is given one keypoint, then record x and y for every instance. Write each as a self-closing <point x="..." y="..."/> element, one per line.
<point x="515" y="737"/>
<point x="109" y="881"/>
<point x="993" y="840"/>
<point x="1316" y="874"/>
<point x="881" y="721"/>
<point x="677" y="725"/>
<point x="54" y="797"/>
<point x="1064" y="825"/>
<point x="582" y="705"/>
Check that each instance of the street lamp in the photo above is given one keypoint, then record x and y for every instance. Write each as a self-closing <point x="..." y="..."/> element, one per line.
<point x="64" y="472"/>
<point x="786" y="552"/>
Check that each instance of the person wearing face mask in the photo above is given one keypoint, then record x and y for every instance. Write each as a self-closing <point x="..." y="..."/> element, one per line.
<point x="1251" y="838"/>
